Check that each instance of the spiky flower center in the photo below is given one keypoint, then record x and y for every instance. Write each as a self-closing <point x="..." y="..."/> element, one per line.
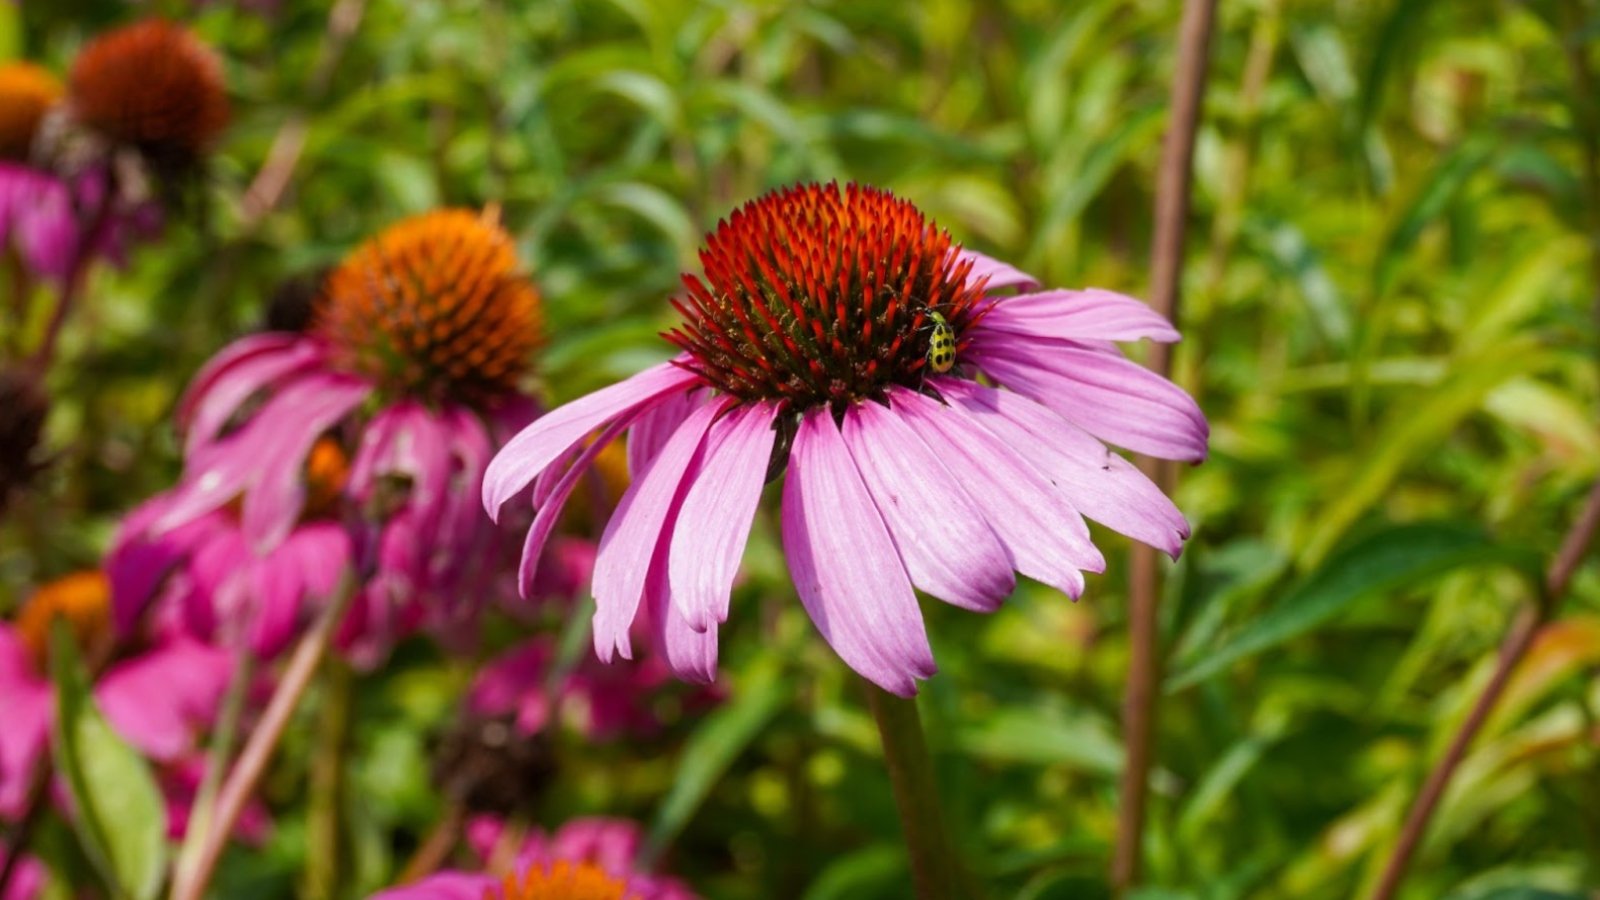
<point x="82" y="599"/>
<point x="560" y="881"/>
<point x="26" y="94"/>
<point x="820" y="295"/>
<point x="434" y="307"/>
<point x="154" y="86"/>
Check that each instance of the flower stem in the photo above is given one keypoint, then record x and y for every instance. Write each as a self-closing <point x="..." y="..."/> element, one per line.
<point x="258" y="750"/>
<point x="222" y="740"/>
<point x="327" y="784"/>
<point x="1512" y="649"/>
<point x="934" y="868"/>
<point x="83" y="253"/>
<point x="1144" y="584"/>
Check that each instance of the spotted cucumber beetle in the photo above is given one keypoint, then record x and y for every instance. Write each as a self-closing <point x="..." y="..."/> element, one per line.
<point x="941" y="343"/>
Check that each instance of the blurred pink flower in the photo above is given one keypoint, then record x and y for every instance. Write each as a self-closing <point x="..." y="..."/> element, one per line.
<point x="27" y="879"/>
<point x="409" y="374"/>
<point x="840" y="334"/>
<point x="159" y="700"/>
<point x="603" y="702"/>
<point x="595" y="853"/>
<point x="47" y="224"/>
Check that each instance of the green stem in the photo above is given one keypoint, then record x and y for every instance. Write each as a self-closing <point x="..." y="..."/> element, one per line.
<point x="217" y="755"/>
<point x="327" y="784"/>
<point x="935" y="871"/>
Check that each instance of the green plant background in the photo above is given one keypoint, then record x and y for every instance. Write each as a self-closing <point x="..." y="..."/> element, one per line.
<point x="1388" y="320"/>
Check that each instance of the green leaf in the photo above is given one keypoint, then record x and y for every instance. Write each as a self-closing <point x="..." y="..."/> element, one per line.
<point x="1044" y="737"/>
<point x="713" y="747"/>
<point x="1385" y="560"/>
<point x="866" y="872"/>
<point x="122" y="819"/>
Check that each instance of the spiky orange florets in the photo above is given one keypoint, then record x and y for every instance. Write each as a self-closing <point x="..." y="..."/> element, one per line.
<point x="152" y="85"/>
<point x="82" y="599"/>
<point x="26" y="94"/>
<point x="561" y="881"/>
<point x="820" y="295"/>
<point x="434" y="307"/>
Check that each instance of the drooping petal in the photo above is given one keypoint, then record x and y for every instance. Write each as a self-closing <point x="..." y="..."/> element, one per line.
<point x="1101" y="392"/>
<point x="552" y="434"/>
<point x="305" y="570"/>
<point x="1090" y="314"/>
<point x="234" y="375"/>
<point x="628" y="544"/>
<point x="159" y="701"/>
<point x="651" y="432"/>
<point x="287" y="427"/>
<point x="1100" y="484"/>
<point x="1044" y="535"/>
<point x="544" y="521"/>
<point x="1001" y="275"/>
<point x="845" y="566"/>
<point x="714" y="520"/>
<point x="26" y="709"/>
<point x="691" y="653"/>
<point x="442" y="886"/>
<point x="948" y="548"/>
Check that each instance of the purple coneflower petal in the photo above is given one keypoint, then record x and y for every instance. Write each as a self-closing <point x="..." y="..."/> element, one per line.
<point x="1000" y="275"/>
<point x="714" y="519"/>
<point x="442" y="886"/>
<point x="544" y="521"/>
<point x="1100" y="484"/>
<point x="159" y="701"/>
<point x="949" y="551"/>
<point x="305" y="570"/>
<point x="552" y="434"/>
<point x="845" y="566"/>
<point x="286" y="429"/>
<point x="650" y="433"/>
<point x="1045" y="536"/>
<point x="629" y="542"/>
<point x="1107" y="395"/>
<point x="235" y="375"/>
<point x="405" y="439"/>
<point x="691" y="653"/>
<point x="1089" y="314"/>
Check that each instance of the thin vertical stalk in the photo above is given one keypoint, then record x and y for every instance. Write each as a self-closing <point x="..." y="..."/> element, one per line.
<point x="1144" y="583"/>
<point x="217" y="756"/>
<point x="1512" y="649"/>
<point x="258" y="750"/>
<point x="324" y="821"/>
<point x="935" y="871"/>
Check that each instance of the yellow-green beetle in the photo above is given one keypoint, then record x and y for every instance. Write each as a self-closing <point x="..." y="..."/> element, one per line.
<point x="941" y="343"/>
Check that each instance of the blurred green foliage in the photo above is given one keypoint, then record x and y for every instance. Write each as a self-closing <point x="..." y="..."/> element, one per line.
<point x="1387" y="310"/>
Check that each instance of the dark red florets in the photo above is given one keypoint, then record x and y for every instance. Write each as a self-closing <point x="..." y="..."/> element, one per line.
<point x="819" y="294"/>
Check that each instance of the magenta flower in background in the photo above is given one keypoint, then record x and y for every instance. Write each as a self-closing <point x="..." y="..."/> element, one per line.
<point x="159" y="699"/>
<point x="360" y="444"/>
<point x="28" y="879"/>
<point x="840" y="335"/>
<point x="589" y="858"/>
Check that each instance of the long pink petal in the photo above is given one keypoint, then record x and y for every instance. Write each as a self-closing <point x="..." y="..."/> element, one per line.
<point x="1108" y="396"/>
<point x="650" y="433"/>
<point x="691" y="653"/>
<point x="1045" y="536"/>
<point x="286" y="428"/>
<point x="949" y="550"/>
<point x="845" y="566"/>
<point x="552" y="434"/>
<point x="628" y="544"/>
<point x="1090" y="314"/>
<point x="235" y="375"/>
<point x="714" y="520"/>
<point x="1000" y="275"/>
<point x="544" y="521"/>
<point x="1100" y="484"/>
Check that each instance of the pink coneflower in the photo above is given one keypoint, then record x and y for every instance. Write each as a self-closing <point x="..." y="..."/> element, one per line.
<point x="43" y="214"/>
<point x="602" y="702"/>
<point x="586" y="859"/>
<point x="840" y="335"/>
<point x="159" y="699"/>
<point x="408" y="376"/>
